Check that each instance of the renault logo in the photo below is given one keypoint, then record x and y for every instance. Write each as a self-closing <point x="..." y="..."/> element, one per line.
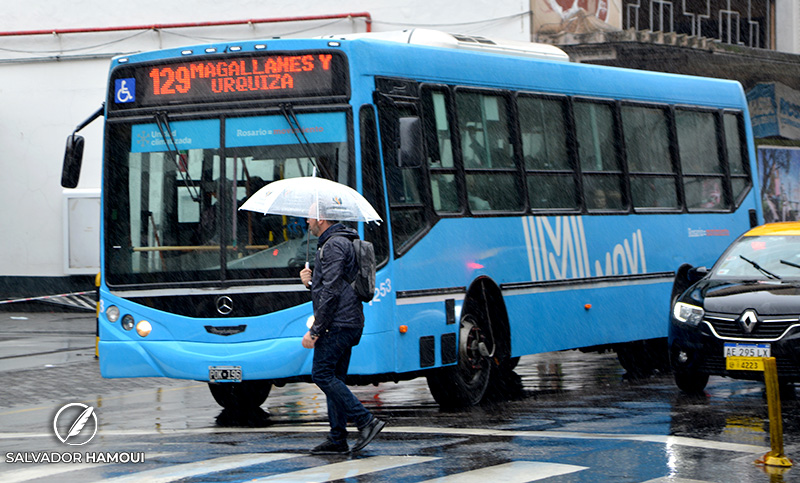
<point x="748" y="320"/>
<point x="224" y="305"/>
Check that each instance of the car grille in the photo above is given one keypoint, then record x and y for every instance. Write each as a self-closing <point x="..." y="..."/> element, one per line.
<point x="772" y="327"/>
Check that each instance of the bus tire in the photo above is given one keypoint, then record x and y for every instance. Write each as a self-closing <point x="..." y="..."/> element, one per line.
<point x="691" y="382"/>
<point x="644" y="358"/>
<point x="245" y="395"/>
<point x="463" y="384"/>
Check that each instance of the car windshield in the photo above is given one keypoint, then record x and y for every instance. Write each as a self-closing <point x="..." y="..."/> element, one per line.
<point x="760" y="258"/>
<point x="171" y="207"/>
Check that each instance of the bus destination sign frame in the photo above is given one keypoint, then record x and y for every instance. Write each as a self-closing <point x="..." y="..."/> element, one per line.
<point x="212" y="79"/>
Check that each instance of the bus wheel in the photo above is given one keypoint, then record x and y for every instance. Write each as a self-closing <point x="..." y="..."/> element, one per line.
<point x="464" y="384"/>
<point x="691" y="382"/>
<point x="643" y="358"/>
<point x="243" y="395"/>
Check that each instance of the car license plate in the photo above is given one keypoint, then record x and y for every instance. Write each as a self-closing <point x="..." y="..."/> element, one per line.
<point x="225" y="373"/>
<point x="746" y="350"/>
<point x="744" y="363"/>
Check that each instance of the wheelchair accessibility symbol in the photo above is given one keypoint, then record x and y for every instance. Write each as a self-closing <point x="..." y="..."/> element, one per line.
<point x="125" y="90"/>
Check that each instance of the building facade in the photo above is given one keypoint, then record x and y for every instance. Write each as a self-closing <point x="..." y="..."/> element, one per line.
<point x="54" y="59"/>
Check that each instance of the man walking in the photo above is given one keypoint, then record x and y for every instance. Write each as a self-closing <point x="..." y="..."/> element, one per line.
<point x="338" y="323"/>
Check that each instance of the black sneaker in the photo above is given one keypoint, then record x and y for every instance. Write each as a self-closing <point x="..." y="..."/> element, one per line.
<point x="368" y="433"/>
<point x="329" y="447"/>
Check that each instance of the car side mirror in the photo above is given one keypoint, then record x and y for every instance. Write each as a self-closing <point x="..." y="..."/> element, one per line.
<point x="73" y="157"/>
<point x="409" y="149"/>
<point x="695" y="274"/>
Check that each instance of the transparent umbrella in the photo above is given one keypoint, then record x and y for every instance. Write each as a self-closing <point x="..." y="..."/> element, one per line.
<point x="311" y="197"/>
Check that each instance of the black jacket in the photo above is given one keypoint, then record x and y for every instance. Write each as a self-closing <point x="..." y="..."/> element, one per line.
<point x="334" y="300"/>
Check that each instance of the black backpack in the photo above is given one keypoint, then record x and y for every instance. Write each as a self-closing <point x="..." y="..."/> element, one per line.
<point x="364" y="282"/>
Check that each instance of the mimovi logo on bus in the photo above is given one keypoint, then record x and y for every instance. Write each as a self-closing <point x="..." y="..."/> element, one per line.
<point x="557" y="250"/>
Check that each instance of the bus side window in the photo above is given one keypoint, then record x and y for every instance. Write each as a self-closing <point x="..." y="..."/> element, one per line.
<point x="701" y="160"/>
<point x="372" y="182"/>
<point x="652" y="171"/>
<point x="436" y="125"/>
<point x="599" y="157"/>
<point x="549" y="174"/>
<point x="488" y="152"/>
<point x="737" y="155"/>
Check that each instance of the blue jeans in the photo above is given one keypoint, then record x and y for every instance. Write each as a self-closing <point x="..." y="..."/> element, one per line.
<point x="331" y="360"/>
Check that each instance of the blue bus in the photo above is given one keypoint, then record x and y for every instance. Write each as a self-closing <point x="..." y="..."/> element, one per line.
<point x="531" y="204"/>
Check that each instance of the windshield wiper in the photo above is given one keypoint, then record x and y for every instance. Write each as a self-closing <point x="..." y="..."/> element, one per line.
<point x="786" y="262"/>
<point x="760" y="268"/>
<point x="288" y="113"/>
<point x="162" y="121"/>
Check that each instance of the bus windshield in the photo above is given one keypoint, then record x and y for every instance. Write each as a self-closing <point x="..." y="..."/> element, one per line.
<point x="175" y="188"/>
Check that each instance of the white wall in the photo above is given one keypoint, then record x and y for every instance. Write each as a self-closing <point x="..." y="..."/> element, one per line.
<point x="787" y="26"/>
<point x="51" y="83"/>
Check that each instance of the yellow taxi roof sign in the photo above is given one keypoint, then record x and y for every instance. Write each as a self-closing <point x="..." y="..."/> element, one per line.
<point x="786" y="228"/>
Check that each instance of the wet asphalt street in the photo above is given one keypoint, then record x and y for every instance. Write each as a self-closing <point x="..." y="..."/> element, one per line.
<point x="577" y="419"/>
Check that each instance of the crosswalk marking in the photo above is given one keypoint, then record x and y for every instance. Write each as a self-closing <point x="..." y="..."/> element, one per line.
<point x="513" y="472"/>
<point x="669" y="479"/>
<point x="316" y="428"/>
<point x="346" y="469"/>
<point x="203" y="467"/>
<point x="47" y="471"/>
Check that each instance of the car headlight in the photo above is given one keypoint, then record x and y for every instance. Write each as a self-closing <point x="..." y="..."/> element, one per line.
<point x="689" y="314"/>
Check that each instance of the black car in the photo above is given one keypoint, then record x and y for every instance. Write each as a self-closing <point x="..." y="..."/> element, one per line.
<point x="746" y="307"/>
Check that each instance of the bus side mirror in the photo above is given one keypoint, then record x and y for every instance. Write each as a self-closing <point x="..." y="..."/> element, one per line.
<point x="73" y="156"/>
<point x="409" y="151"/>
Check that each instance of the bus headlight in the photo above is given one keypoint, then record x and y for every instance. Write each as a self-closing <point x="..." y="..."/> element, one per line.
<point x="689" y="314"/>
<point x="112" y="313"/>
<point x="143" y="328"/>
<point x="127" y="322"/>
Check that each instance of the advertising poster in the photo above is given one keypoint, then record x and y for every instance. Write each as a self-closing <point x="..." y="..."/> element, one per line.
<point x="779" y="175"/>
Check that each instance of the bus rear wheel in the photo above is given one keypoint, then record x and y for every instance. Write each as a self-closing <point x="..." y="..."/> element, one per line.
<point x="465" y="383"/>
<point x="245" y="395"/>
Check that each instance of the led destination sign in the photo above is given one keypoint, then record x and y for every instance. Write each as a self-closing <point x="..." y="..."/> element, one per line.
<point x="230" y="79"/>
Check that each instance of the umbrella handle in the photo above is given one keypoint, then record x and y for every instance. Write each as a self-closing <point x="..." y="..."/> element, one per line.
<point x="306" y="264"/>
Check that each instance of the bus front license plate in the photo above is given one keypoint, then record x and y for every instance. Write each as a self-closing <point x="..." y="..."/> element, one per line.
<point x="744" y="364"/>
<point x="225" y="373"/>
<point x="746" y="350"/>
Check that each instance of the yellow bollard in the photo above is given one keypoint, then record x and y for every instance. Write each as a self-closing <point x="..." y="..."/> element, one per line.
<point x="775" y="457"/>
<point x="97" y="318"/>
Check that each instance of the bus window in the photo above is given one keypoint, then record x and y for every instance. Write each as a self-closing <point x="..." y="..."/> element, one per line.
<point x="701" y="162"/>
<point x="404" y="185"/>
<point x="436" y="106"/>
<point x="647" y="149"/>
<point x="550" y="177"/>
<point x="372" y="182"/>
<point x="599" y="157"/>
<point x="487" y="152"/>
<point x="737" y="155"/>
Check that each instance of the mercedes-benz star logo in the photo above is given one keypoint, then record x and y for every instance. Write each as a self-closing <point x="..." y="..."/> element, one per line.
<point x="224" y="305"/>
<point x="748" y="320"/>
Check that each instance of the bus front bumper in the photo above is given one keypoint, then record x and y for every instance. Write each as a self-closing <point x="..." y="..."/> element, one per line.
<point x="266" y="359"/>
